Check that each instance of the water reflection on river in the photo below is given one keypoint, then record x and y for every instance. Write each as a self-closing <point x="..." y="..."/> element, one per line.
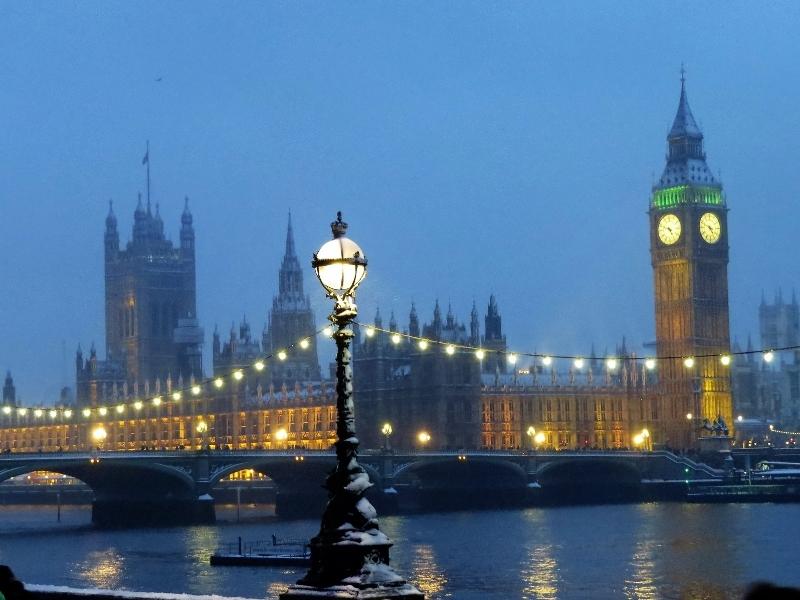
<point x="646" y="551"/>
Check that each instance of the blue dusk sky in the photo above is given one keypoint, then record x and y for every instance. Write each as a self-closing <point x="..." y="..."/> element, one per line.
<point x="474" y="148"/>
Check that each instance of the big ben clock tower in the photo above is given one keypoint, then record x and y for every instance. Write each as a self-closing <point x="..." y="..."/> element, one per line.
<point x="689" y="252"/>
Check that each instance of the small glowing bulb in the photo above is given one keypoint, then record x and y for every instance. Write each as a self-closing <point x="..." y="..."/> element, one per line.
<point x="369" y="332"/>
<point x="650" y="364"/>
<point x="328" y="332"/>
<point x="740" y="418"/>
<point x="725" y="359"/>
<point x="138" y="405"/>
<point x="53" y="414"/>
<point x="6" y="410"/>
<point x="578" y="363"/>
<point x="689" y="416"/>
<point x="281" y="434"/>
<point x="218" y="383"/>
<point x="638" y="439"/>
<point x="547" y="361"/>
<point x="480" y="354"/>
<point x="176" y="396"/>
<point x="768" y="356"/>
<point x="102" y="411"/>
<point x="157" y="401"/>
<point x="196" y="389"/>
<point x="68" y="413"/>
<point x="259" y="366"/>
<point x="423" y="345"/>
<point x="645" y="433"/>
<point x="38" y="413"/>
<point x="611" y="363"/>
<point x="688" y="362"/>
<point x="281" y="355"/>
<point x="396" y="338"/>
<point x="237" y="375"/>
<point x="450" y="349"/>
<point x="512" y="359"/>
<point x="304" y="343"/>
<point x="120" y="408"/>
<point x="22" y="411"/>
<point x="87" y="412"/>
<point x="539" y="438"/>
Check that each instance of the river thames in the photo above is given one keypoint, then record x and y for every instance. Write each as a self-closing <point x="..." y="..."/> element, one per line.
<point x="647" y="551"/>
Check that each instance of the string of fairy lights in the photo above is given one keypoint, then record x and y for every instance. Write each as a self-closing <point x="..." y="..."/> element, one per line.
<point x="173" y="396"/>
<point x="421" y="344"/>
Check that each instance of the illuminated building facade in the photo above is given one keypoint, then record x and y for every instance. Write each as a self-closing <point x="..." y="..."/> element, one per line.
<point x="689" y="252"/>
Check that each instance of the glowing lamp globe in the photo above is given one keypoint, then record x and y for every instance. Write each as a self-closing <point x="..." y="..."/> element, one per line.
<point x="340" y="264"/>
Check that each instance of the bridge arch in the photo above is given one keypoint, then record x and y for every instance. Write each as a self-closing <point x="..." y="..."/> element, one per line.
<point x="589" y="480"/>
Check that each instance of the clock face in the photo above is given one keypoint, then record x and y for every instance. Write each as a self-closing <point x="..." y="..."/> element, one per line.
<point x="669" y="229"/>
<point x="710" y="228"/>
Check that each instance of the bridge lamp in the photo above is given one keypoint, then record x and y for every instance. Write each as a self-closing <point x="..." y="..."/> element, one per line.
<point x="725" y="359"/>
<point x="86" y="412"/>
<point x="202" y="429"/>
<point x="638" y="439"/>
<point x="99" y="434"/>
<point x="424" y="437"/>
<point x="386" y="430"/>
<point x="304" y="343"/>
<point x="539" y="438"/>
<point x="650" y="364"/>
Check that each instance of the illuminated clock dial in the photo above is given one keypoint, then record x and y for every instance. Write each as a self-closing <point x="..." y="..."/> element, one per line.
<point x="710" y="228"/>
<point x="669" y="229"/>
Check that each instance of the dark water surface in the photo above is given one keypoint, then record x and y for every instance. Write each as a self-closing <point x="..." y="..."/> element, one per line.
<point x="623" y="551"/>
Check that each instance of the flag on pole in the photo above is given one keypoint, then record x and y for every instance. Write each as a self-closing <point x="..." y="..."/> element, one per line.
<point x="146" y="158"/>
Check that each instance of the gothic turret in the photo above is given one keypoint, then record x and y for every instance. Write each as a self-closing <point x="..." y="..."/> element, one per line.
<point x="474" y="326"/>
<point x="187" y="230"/>
<point x="9" y="391"/>
<point x="494" y="339"/>
<point x="112" y="234"/>
<point x="413" y="321"/>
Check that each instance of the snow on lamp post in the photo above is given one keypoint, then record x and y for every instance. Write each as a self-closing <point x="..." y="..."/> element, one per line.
<point x="350" y="554"/>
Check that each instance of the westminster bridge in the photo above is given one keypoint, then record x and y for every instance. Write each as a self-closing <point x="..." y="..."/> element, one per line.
<point x="176" y="487"/>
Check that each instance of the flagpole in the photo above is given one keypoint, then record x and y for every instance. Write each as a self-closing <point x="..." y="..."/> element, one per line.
<point x="147" y="154"/>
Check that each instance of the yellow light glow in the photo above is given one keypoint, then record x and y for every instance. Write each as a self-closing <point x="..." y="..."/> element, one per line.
<point x="328" y="332"/>
<point x="450" y="349"/>
<point x="138" y="405"/>
<point x="6" y="410"/>
<point x="539" y="438"/>
<point x="725" y="360"/>
<point x="237" y="375"/>
<point x="196" y="389"/>
<point x="22" y="411"/>
<point x="176" y="396"/>
<point x="531" y="431"/>
<point x="424" y="437"/>
<point x="611" y="363"/>
<point x="369" y="332"/>
<point x="396" y="338"/>
<point x="120" y="408"/>
<point x="650" y="364"/>
<point x="769" y="356"/>
<point x="547" y="361"/>
<point x="688" y="362"/>
<point x="201" y="427"/>
<point x="304" y="343"/>
<point x="423" y="345"/>
<point x="638" y="439"/>
<point x="281" y="435"/>
<point x="68" y="413"/>
<point x="259" y="366"/>
<point x="512" y="359"/>
<point x="99" y="434"/>
<point x="645" y="433"/>
<point x="157" y="401"/>
<point x="689" y="416"/>
<point x="86" y="412"/>
<point x="38" y="413"/>
<point x="386" y="429"/>
<point x="578" y="362"/>
<point x="281" y="355"/>
<point x="102" y="411"/>
<point x="480" y="354"/>
<point x="218" y="382"/>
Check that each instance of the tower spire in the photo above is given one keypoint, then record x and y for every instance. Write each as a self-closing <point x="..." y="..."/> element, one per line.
<point x="146" y="161"/>
<point x="290" y="251"/>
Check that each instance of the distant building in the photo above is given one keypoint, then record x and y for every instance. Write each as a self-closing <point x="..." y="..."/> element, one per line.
<point x="9" y="391"/>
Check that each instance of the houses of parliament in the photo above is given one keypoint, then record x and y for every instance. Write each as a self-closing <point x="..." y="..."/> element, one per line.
<point x="150" y="390"/>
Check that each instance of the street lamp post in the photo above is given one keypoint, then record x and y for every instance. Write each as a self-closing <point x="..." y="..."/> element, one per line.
<point x="531" y="432"/>
<point x="202" y="429"/>
<point x="386" y="430"/>
<point x="350" y="554"/>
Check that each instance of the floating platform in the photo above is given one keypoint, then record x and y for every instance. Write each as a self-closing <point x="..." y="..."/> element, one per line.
<point x="261" y="553"/>
<point x="744" y="493"/>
